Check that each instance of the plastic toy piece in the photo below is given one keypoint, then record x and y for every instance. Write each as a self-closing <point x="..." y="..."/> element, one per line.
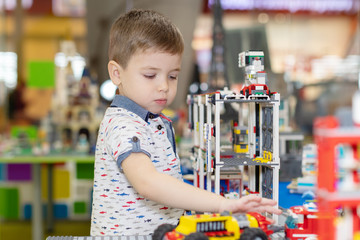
<point x="240" y="138"/>
<point x="301" y="223"/>
<point x="252" y="61"/>
<point x="256" y="90"/>
<point x="255" y="76"/>
<point x="248" y="226"/>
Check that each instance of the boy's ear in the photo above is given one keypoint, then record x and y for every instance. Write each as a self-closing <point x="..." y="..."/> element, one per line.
<point x="114" y="70"/>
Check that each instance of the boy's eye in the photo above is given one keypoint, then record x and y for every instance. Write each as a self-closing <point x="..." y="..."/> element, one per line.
<point x="150" y="76"/>
<point x="173" y="77"/>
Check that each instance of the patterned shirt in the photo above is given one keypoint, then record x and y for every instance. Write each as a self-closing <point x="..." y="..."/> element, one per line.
<point x="117" y="208"/>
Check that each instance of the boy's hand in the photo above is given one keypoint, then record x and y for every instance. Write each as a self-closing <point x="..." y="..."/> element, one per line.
<point x="249" y="203"/>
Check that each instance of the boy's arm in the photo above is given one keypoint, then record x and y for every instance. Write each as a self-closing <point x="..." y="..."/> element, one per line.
<point x="170" y="191"/>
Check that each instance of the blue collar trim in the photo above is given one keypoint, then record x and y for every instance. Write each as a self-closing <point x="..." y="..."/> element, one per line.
<point x="128" y="104"/>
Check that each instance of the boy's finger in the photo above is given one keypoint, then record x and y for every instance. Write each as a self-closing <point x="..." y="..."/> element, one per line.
<point x="268" y="201"/>
<point x="251" y="198"/>
<point x="274" y="210"/>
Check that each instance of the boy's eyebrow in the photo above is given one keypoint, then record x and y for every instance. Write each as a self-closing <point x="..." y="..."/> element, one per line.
<point x="155" y="68"/>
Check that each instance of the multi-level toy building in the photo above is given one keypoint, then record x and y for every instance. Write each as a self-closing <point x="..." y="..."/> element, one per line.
<point x="236" y="133"/>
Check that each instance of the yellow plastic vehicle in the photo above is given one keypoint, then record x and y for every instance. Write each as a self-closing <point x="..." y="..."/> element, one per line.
<point x="213" y="227"/>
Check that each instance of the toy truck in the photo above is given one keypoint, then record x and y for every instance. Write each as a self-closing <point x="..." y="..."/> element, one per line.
<point x="250" y="226"/>
<point x="301" y="223"/>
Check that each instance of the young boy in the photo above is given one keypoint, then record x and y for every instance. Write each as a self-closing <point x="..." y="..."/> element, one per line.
<point x="138" y="183"/>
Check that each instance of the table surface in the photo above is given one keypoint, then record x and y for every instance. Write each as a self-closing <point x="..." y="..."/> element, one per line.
<point x="37" y="161"/>
<point x="275" y="236"/>
<point x="48" y="159"/>
<point x="140" y="237"/>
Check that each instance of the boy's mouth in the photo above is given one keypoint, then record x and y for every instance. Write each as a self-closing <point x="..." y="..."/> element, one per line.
<point x="162" y="101"/>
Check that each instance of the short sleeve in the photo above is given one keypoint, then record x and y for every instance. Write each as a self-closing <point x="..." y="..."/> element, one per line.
<point x="126" y="135"/>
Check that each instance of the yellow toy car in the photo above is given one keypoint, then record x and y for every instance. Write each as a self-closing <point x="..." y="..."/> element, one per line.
<point x="214" y="226"/>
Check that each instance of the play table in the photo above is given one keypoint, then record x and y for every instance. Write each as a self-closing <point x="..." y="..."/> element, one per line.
<point x="37" y="161"/>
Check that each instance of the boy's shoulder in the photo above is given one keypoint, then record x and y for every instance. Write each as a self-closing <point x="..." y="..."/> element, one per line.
<point x="120" y="112"/>
<point x="114" y="115"/>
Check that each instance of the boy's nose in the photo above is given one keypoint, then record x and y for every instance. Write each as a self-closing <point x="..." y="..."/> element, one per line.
<point x="163" y="85"/>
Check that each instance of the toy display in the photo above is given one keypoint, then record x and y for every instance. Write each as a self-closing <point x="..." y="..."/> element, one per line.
<point x="75" y="106"/>
<point x="248" y="226"/>
<point x="67" y="136"/>
<point x="338" y="185"/>
<point x="232" y="131"/>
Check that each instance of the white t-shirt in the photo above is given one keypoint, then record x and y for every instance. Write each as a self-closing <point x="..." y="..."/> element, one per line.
<point x="117" y="208"/>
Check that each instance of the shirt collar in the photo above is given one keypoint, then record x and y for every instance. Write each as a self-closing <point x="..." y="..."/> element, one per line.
<point x="128" y="104"/>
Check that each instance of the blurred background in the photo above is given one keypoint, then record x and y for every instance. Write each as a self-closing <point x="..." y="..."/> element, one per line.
<point x="54" y="85"/>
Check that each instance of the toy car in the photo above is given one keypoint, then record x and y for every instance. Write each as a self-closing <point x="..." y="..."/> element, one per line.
<point x="256" y="90"/>
<point x="250" y="226"/>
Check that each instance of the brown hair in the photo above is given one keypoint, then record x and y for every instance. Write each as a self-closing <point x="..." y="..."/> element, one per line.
<point x="140" y="30"/>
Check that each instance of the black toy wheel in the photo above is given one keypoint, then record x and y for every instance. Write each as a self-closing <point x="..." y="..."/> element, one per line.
<point x="161" y="230"/>
<point x="253" y="234"/>
<point x="196" y="236"/>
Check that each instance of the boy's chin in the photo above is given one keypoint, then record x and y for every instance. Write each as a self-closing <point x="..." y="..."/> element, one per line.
<point x="158" y="110"/>
<point x="155" y="111"/>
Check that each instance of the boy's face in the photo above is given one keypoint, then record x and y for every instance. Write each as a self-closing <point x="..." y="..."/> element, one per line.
<point x="150" y="79"/>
